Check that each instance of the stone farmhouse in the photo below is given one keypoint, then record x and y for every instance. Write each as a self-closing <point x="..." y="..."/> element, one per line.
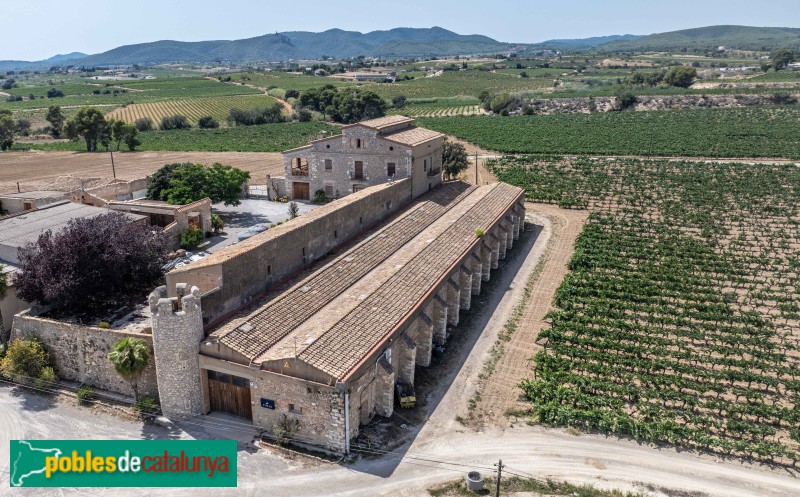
<point x="319" y="320"/>
<point x="365" y="154"/>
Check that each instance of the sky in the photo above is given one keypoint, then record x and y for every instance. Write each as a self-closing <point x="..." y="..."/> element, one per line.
<point x="42" y="28"/>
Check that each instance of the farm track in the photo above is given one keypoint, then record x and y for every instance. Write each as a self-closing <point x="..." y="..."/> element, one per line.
<point x="41" y="170"/>
<point x="500" y="390"/>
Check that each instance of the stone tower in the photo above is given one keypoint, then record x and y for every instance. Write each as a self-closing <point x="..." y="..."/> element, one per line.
<point x="177" y="332"/>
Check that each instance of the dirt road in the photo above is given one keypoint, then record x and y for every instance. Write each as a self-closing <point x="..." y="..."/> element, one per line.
<point x="39" y="170"/>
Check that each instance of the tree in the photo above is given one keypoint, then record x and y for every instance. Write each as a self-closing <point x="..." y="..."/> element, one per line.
<point x="186" y="183"/>
<point x="454" y="159"/>
<point x="144" y="124"/>
<point x="26" y="361"/>
<point x="624" y="99"/>
<point x="23" y="127"/>
<point x="249" y="117"/>
<point x="90" y="125"/>
<point x="8" y="84"/>
<point x="782" y="58"/>
<point x="291" y="94"/>
<point x="129" y="136"/>
<point x="55" y="118"/>
<point x="680" y="76"/>
<point x="348" y="105"/>
<point x="7" y="129"/>
<point x="207" y="122"/>
<point x="130" y="357"/>
<point x="175" y="122"/>
<point x="399" y="102"/>
<point x="116" y="132"/>
<point x="54" y="93"/>
<point x="91" y="265"/>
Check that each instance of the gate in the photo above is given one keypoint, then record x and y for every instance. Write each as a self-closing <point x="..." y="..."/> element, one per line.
<point x="230" y="394"/>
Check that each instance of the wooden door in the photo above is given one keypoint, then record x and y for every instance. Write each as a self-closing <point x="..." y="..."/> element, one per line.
<point x="359" y="170"/>
<point x="300" y="191"/>
<point x="230" y="394"/>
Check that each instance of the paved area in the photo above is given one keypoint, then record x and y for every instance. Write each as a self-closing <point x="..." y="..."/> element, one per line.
<point x="250" y="212"/>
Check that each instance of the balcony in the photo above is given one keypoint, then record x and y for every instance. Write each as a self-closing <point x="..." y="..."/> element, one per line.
<point x="356" y="175"/>
<point x="303" y="171"/>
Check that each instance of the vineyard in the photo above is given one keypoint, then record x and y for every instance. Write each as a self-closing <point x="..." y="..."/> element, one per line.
<point x="437" y="111"/>
<point x="264" y="138"/>
<point x="217" y="107"/>
<point x="679" y="321"/>
<point x="738" y="132"/>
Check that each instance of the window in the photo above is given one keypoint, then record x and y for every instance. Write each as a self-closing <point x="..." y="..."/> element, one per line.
<point x="335" y="234"/>
<point x="329" y="191"/>
<point x="358" y="143"/>
<point x="269" y="269"/>
<point x="328" y="165"/>
<point x="295" y="409"/>
<point x="390" y="169"/>
<point x="391" y="148"/>
<point x="425" y="165"/>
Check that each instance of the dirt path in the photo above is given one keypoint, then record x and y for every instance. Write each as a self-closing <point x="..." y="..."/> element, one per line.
<point x="500" y="390"/>
<point x="41" y="170"/>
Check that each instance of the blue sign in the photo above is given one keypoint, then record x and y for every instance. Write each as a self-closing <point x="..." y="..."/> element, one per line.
<point x="267" y="403"/>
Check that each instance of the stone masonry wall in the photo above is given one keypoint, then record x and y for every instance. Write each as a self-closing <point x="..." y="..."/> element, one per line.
<point x="81" y="352"/>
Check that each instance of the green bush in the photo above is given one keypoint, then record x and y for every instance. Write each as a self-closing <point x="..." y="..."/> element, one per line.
<point x="85" y="394"/>
<point x="479" y="233"/>
<point x="25" y="361"/>
<point x="46" y="379"/>
<point x="216" y="223"/>
<point x="191" y="237"/>
<point x="104" y="324"/>
<point x="147" y="407"/>
<point x="319" y="197"/>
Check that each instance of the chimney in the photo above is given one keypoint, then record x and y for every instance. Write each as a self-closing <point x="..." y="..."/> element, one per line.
<point x="322" y="135"/>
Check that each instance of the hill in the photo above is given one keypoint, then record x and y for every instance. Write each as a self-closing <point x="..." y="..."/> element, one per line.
<point x="337" y="43"/>
<point x="583" y="43"/>
<point x="710" y="38"/>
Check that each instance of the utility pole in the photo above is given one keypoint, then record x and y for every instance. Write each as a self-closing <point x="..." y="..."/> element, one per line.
<point x="113" y="169"/>
<point x="499" y="472"/>
<point x="476" y="168"/>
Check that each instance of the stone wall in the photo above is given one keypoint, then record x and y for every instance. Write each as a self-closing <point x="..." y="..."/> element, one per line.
<point x="234" y="276"/>
<point x="81" y="352"/>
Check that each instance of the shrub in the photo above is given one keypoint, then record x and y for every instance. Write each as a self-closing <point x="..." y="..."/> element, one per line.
<point x="191" y="237"/>
<point x="207" y="122"/>
<point x="144" y="124"/>
<point x="624" y="100"/>
<point x="273" y="114"/>
<point x="91" y="264"/>
<point x="46" y="379"/>
<point x="479" y="233"/>
<point x="285" y="429"/>
<point x="304" y="115"/>
<point x="147" y="407"/>
<point x="216" y="223"/>
<point x="294" y="210"/>
<point x="104" y="324"/>
<point x="85" y="394"/>
<point x="54" y="93"/>
<point x="25" y="361"/>
<point x="319" y="197"/>
<point x="291" y="94"/>
<point x="174" y="122"/>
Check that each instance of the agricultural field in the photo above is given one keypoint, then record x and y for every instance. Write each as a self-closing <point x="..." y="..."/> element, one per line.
<point x="679" y="319"/>
<point x="462" y="83"/>
<point x="138" y="91"/>
<point x="275" y="137"/>
<point x="217" y="107"/>
<point x="738" y="132"/>
<point x="286" y="81"/>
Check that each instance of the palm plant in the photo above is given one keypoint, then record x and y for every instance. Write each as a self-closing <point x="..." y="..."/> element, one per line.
<point x="130" y="357"/>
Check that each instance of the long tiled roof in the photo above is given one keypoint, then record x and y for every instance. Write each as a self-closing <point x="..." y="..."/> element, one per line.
<point x="332" y="330"/>
<point x="385" y="122"/>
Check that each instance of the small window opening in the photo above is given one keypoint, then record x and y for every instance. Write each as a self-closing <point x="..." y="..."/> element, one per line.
<point x="358" y="143"/>
<point x="269" y="269"/>
<point x="335" y="234"/>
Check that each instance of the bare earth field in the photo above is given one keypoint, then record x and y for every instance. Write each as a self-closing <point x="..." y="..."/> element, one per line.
<point x="41" y="170"/>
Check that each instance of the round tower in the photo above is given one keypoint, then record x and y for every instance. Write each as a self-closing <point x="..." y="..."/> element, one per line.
<point x="177" y="332"/>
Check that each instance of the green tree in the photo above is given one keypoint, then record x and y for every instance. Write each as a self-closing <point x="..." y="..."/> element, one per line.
<point x="116" y="132"/>
<point x="55" y="118"/>
<point x="130" y="357"/>
<point x="207" y="122"/>
<point x="25" y="361"/>
<point x="399" y="102"/>
<point x="182" y="184"/>
<point x="7" y="129"/>
<point x="130" y="136"/>
<point x="680" y="76"/>
<point x="90" y="125"/>
<point x="783" y="57"/>
<point x="454" y="159"/>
